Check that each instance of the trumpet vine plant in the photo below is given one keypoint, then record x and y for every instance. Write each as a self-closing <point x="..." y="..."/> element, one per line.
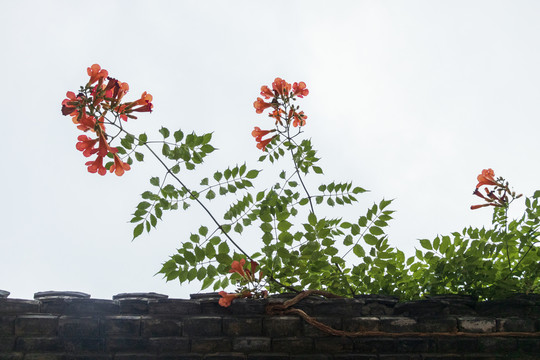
<point x="299" y="248"/>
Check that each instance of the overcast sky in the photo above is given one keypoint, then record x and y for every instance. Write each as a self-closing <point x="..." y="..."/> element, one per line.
<point x="409" y="99"/>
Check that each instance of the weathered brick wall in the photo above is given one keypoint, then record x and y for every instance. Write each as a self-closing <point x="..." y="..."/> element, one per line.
<point x="150" y="326"/>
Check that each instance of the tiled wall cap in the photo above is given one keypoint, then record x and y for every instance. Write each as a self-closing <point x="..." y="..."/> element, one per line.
<point x="382" y="299"/>
<point x="140" y="296"/>
<point x="454" y="299"/>
<point x="4" y="294"/>
<point x="60" y="295"/>
<point x="203" y="296"/>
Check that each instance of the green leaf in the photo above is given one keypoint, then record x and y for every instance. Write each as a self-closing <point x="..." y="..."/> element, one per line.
<point x="303" y="201"/>
<point x="139" y="156"/>
<point x="192" y="274"/>
<point x="362" y="221"/>
<point x="206" y="138"/>
<point x="370" y="239"/>
<point x="317" y="170"/>
<point x="384" y="203"/>
<point x="210" y="195"/>
<point x="252" y="174"/>
<point x="203" y="230"/>
<point x="143" y="205"/>
<point x="359" y="250"/>
<point x="426" y="244"/>
<point x="165" y="150"/>
<point x="201" y="273"/>
<point x="207" y="282"/>
<point x="376" y="230"/>
<point x="165" y="132"/>
<point x="138" y="230"/>
<point x="142" y="139"/>
<point x="154" y="181"/>
<point x="312" y="219"/>
<point x="204" y="181"/>
<point x="284" y="225"/>
<point x="238" y="228"/>
<point x="223" y="248"/>
<point x="207" y="148"/>
<point x="178" y="136"/>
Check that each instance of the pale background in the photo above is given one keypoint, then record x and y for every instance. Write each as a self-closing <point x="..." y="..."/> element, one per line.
<point x="410" y="99"/>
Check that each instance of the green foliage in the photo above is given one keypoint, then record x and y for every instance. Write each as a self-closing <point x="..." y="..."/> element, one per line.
<point x="301" y="249"/>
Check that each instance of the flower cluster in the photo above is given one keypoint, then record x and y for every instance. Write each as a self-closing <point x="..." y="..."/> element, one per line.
<point x="102" y="95"/>
<point x="497" y="196"/>
<point x="284" y="113"/>
<point x="249" y="284"/>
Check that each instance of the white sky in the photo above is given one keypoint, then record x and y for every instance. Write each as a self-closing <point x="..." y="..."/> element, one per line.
<point x="410" y="99"/>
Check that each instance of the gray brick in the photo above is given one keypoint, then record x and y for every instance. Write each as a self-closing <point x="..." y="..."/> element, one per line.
<point x="333" y="344"/>
<point x="78" y="327"/>
<point x="311" y="357"/>
<point x="338" y="307"/>
<point x="154" y="327"/>
<point x="268" y="356"/>
<point x="11" y="356"/>
<point x="121" y="325"/>
<point x="375" y="308"/>
<point x="457" y="344"/>
<point x="42" y="356"/>
<point x="355" y="357"/>
<point x="125" y="344"/>
<point x="293" y="345"/>
<point x="497" y="344"/>
<point x="476" y="325"/>
<point x="415" y="345"/>
<point x="80" y="307"/>
<point x="7" y="325"/>
<point x="169" y="344"/>
<point x="396" y="324"/>
<point x="282" y="326"/>
<point x="181" y="357"/>
<point x="174" y="307"/>
<point x="135" y="356"/>
<point x="36" y="325"/>
<point x="427" y="324"/>
<point x="530" y="345"/>
<point x="489" y="357"/>
<point x="210" y="345"/>
<point x="7" y="344"/>
<point x="379" y="345"/>
<point x="226" y="356"/>
<point x="84" y="344"/>
<point x="202" y="326"/>
<point x="133" y="306"/>
<point x="399" y="357"/>
<point x="242" y="326"/>
<point x="515" y="325"/>
<point x="18" y="306"/>
<point x="251" y="344"/>
<point x="359" y="324"/>
<point x="39" y="344"/>
<point x="332" y="321"/>
<point x="441" y="357"/>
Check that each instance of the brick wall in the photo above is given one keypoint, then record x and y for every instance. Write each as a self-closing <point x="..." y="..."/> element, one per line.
<point x="151" y="326"/>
